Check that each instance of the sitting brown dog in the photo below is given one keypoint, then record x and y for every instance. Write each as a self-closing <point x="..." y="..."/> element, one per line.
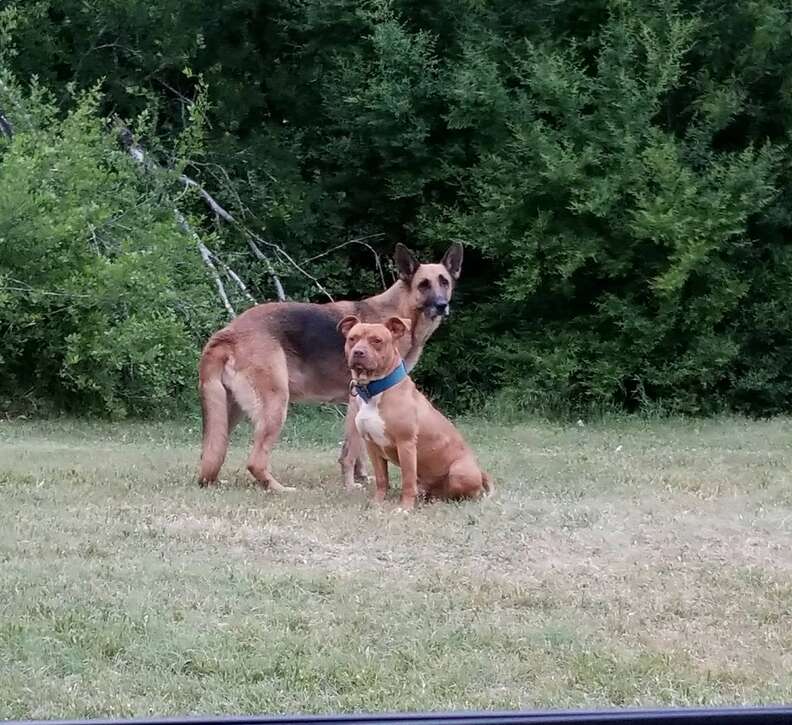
<point x="400" y="425"/>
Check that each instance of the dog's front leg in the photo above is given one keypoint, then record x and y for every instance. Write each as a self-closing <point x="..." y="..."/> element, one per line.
<point x="380" y="466"/>
<point x="353" y="467"/>
<point x="408" y="462"/>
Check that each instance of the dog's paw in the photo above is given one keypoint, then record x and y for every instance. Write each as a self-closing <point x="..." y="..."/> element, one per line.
<point x="276" y="487"/>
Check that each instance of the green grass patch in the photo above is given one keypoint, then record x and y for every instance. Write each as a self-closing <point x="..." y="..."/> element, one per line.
<point x="620" y="563"/>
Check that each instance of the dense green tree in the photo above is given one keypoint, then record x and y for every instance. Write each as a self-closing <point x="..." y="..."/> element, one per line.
<point x="619" y="169"/>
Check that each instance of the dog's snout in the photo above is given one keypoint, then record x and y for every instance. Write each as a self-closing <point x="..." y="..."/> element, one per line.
<point x="358" y="353"/>
<point x="441" y="306"/>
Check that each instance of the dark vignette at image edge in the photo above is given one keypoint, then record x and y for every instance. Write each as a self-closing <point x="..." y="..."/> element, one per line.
<point x="774" y="715"/>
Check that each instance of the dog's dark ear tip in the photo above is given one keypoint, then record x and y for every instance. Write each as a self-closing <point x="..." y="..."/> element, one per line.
<point x="406" y="262"/>
<point x="452" y="259"/>
<point x="402" y="249"/>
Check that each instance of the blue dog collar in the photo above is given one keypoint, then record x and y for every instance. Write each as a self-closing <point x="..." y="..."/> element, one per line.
<point x="375" y="387"/>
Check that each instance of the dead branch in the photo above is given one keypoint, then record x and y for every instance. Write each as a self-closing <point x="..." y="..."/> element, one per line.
<point x="184" y="99"/>
<point x="361" y="241"/>
<point x="288" y="258"/>
<point x="206" y="255"/>
<point x="139" y="155"/>
<point x="208" y="198"/>
<point x="235" y="277"/>
<point x="5" y="126"/>
<point x="258" y="254"/>
<point x="226" y="216"/>
<point x="252" y="238"/>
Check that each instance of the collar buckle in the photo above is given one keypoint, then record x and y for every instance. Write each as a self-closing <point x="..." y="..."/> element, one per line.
<point x="376" y="387"/>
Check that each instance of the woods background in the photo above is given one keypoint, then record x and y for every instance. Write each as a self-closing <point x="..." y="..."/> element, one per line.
<point x="619" y="172"/>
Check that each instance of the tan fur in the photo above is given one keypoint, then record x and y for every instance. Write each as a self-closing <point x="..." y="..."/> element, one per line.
<point x="275" y="353"/>
<point x="401" y="426"/>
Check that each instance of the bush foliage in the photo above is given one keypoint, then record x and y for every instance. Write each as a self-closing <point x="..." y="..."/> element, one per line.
<point x="619" y="170"/>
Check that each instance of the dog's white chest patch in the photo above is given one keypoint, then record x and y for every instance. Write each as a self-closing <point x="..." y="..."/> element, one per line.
<point x="370" y="424"/>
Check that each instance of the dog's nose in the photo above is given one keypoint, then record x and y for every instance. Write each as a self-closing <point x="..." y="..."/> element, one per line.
<point x="357" y="353"/>
<point x="441" y="307"/>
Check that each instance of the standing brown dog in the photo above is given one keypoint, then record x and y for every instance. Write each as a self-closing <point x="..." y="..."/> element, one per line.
<point x="400" y="425"/>
<point x="282" y="351"/>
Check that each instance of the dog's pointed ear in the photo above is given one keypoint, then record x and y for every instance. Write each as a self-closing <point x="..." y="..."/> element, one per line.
<point x="347" y="324"/>
<point x="452" y="260"/>
<point x="398" y="326"/>
<point x="406" y="263"/>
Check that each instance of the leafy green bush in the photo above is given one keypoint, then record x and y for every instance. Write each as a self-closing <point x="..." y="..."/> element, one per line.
<point x="105" y="301"/>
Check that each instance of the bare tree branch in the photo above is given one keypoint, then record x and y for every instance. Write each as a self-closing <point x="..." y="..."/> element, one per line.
<point x="290" y="259"/>
<point x="258" y="254"/>
<point x="187" y="101"/>
<point x="234" y="276"/>
<point x="253" y="238"/>
<point x="6" y="129"/>
<point x="362" y="242"/>
<point x="137" y="153"/>
<point x="208" y="198"/>
<point x="227" y="217"/>
<point x="206" y="255"/>
<point x="128" y="141"/>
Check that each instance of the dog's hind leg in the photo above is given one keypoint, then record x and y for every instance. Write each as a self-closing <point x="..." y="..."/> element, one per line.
<point x="264" y="396"/>
<point x="466" y="480"/>
<point x="235" y="413"/>
<point x="361" y="471"/>
<point x="266" y="432"/>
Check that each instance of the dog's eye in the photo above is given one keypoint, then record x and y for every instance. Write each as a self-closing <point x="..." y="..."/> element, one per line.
<point x="443" y="281"/>
<point x="376" y="341"/>
<point x="424" y="285"/>
<point x="353" y="338"/>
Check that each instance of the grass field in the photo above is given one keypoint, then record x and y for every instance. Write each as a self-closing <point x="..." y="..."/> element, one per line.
<point x="622" y="563"/>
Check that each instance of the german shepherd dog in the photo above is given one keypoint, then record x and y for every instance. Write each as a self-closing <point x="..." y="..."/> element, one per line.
<point x="278" y="352"/>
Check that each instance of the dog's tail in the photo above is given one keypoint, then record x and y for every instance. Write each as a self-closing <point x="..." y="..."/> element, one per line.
<point x="488" y="484"/>
<point x="214" y="408"/>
